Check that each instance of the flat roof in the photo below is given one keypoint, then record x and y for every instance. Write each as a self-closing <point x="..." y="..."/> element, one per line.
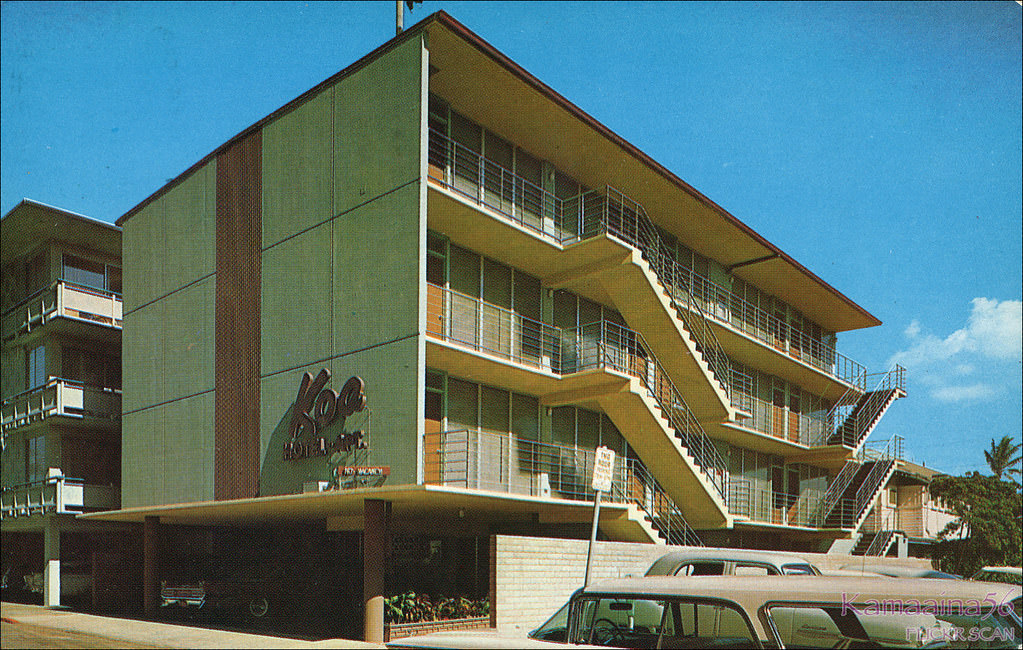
<point x="720" y="235"/>
<point x="30" y="223"/>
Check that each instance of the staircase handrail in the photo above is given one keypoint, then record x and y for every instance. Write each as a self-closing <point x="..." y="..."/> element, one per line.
<point x="835" y="491"/>
<point x="641" y="233"/>
<point x="661" y="388"/>
<point x="669" y="520"/>
<point x="893" y="379"/>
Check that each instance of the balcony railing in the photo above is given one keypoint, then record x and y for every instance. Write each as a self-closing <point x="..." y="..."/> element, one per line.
<point x="63" y="397"/>
<point x="779" y="422"/>
<point x="62" y="299"/>
<point x="570" y="219"/>
<point x="57" y="494"/>
<point x="768" y="506"/>
<point x="500" y="462"/>
<point x="478" y="325"/>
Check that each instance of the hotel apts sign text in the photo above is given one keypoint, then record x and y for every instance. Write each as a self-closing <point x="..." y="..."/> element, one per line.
<point x="316" y="408"/>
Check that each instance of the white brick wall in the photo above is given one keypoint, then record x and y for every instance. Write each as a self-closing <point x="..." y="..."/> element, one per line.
<point x="531" y="577"/>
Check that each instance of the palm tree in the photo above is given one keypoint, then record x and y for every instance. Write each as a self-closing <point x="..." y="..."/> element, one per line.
<point x="1003" y="457"/>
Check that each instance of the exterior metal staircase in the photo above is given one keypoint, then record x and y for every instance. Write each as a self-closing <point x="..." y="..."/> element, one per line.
<point x="850" y="496"/>
<point x="876" y="544"/>
<point x="613" y="213"/>
<point x="609" y="345"/>
<point x="855" y="415"/>
<point x="659" y="511"/>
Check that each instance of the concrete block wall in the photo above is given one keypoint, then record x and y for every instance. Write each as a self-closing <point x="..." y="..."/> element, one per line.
<point x="532" y="577"/>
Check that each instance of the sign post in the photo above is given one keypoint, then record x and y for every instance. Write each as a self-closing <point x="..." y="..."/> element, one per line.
<point x="603" y="471"/>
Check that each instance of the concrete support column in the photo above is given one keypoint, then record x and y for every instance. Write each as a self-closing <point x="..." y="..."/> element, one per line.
<point x="375" y="536"/>
<point x="150" y="565"/>
<point x="51" y="563"/>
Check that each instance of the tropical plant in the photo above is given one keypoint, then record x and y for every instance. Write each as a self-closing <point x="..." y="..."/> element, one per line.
<point x="1004" y="456"/>
<point x="986" y="530"/>
<point x="411" y="607"/>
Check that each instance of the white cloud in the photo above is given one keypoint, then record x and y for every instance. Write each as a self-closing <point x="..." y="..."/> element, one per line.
<point x="993" y="329"/>
<point x="993" y="333"/>
<point x="972" y="393"/>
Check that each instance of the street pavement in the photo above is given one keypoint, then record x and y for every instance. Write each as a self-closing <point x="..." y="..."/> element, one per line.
<point x="32" y="626"/>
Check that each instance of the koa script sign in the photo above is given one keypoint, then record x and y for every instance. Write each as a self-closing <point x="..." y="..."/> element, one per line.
<point x="316" y="408"/>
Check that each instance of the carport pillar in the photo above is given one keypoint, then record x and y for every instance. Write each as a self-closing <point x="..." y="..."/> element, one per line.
<point x="51" y="563"/>
<point x="376" y="533"/>
<point x="150" y="564"/>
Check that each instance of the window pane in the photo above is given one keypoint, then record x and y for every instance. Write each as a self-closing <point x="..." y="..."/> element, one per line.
<point x="465" y="271"/>
<point x="84" y="272"/>
<point x="462" y="405"/>
<point x="525" y="416"/>
<point x="494" y="409"/>
<point x="36" y="363"/>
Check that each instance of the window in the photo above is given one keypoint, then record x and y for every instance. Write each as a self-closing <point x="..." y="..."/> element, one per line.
<point x="36" y="276"/>
<point x="701" y="569"/>
<point x="35" y="363"/>
<point x="35" y="458"/>
<point x="91" y="274"/>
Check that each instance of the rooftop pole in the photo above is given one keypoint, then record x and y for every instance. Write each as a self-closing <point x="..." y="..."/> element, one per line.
<point x="399" y="17"/>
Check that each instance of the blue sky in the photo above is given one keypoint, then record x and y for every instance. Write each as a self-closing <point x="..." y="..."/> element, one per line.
<point x="879" y="144"/>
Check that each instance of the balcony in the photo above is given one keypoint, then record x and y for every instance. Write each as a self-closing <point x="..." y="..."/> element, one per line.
<point x="57" y="494"/>
<point x="600" y="364"/>
<point x="766" y="506"/>
<point x="60" y="397"/>
<point x="500" y="462"/>
<point x="562" y="222"/>
<point x="62" y="299"/>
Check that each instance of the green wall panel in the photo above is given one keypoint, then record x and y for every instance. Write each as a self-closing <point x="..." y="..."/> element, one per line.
<point x="297" y="178"/>
<point x="296" y="301"/>
<point x="377" y="126"/>
<point x="390" y="420"/>
<point x="189" y="219"/>
<point x="376" y="282"/>
<point x="142" y="242"/>
<point x="187" y="333"/>
<point x="142" y="358"/>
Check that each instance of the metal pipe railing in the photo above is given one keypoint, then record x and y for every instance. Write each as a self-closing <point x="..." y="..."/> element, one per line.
<point x="479" y="325"/>
<point x="770" y="506"/>
<point x="571" y="219"/>
<point x="855" y="414"/>
<point x="501" y="462"/>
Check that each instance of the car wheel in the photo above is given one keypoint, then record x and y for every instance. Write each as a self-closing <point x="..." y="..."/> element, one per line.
<point x="259" y="607"/>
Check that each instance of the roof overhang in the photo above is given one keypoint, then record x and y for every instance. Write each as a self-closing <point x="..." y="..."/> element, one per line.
<point x="346" y="506"/>
<point x="487" y="86"/>
<point x="30" y="223"/>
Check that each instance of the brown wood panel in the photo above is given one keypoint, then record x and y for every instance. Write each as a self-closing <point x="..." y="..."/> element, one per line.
<point x="237" y="313"/>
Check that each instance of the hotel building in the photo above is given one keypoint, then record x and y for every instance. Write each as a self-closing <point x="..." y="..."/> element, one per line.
<point x="398" y="315"/>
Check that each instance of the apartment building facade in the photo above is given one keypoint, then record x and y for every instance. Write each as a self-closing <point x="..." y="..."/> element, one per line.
<point x="400" y="314"/>
<point x="61" y="393"/>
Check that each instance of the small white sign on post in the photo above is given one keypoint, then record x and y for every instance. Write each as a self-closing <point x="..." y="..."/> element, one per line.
<point x="603" y="469"/>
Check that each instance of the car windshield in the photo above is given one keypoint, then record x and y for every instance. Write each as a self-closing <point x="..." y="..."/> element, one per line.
<point x="555" y="628"/>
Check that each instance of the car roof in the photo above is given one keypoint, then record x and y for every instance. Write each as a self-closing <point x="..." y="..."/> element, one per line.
<point x="754" y="592"/>
<point x="900" y="571"/>
<point x="676" y="558"/>
<point x="1015" y="570"/>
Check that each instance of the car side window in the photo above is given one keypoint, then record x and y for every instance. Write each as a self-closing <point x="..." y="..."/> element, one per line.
<point x="749" y="569"/>
<point x="704" y="625"/>
<point x="701" y="569"/>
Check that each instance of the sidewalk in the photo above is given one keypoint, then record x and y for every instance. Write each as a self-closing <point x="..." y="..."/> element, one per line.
<point x="158" y="634"/>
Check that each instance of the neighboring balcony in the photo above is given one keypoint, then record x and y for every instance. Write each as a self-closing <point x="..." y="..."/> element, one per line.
<point x="62" y="299"/>
<point x="62" y="398"/>
<point x="57" y="494"/>
<point x="500" y="462"/>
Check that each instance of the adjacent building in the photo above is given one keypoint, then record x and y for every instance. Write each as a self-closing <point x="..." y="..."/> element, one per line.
<point x="60" y="323"/>
<point x="401" y="313"/>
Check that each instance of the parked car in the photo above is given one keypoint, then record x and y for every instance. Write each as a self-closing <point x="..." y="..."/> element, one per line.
<point x="776" y="612"/>
<point x="900" y="571"/>
<point x="1012" y="575"/>
<point x="730" y="561"/>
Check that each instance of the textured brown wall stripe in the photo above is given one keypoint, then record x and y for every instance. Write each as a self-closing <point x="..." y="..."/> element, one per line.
<point x="236" y="351"/>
